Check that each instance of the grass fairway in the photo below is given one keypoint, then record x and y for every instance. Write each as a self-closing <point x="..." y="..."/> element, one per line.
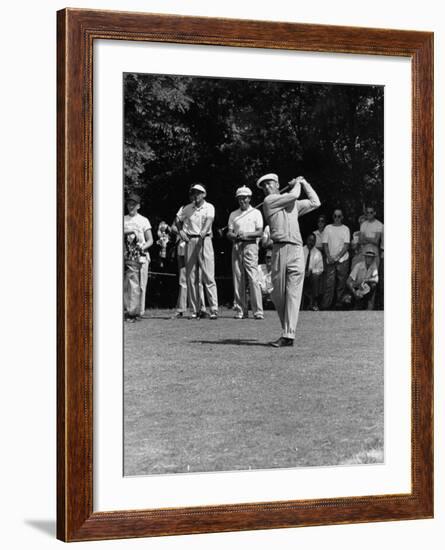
<point x="212" y="395"/>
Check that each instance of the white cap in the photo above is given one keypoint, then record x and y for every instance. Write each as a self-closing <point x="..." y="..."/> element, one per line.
<point x="243" y="192"/>
<point x="368" y="250"/>
<point x="266" y="177"/>
<point x="198" y="187"/>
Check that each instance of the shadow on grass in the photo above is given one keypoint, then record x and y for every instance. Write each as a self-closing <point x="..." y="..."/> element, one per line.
<point x="232" y="342"/>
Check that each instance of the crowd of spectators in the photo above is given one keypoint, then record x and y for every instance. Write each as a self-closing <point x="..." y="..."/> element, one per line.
<point x="341" y="271"/>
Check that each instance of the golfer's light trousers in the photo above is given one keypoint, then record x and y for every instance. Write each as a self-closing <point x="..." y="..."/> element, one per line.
<point x="287" y="282"/>
<point x="199" y="256"/>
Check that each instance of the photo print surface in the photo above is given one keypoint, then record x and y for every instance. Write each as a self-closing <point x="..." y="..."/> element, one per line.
<point x="253" y="274"/>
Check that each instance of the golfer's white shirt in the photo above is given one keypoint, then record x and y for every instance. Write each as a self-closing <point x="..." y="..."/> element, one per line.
<point x="193" y="217"/>
<point x="247" y="221"/>
<point x="315" y="260"/>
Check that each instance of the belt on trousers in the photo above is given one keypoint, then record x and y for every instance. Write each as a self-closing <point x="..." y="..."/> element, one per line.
<point x="246" y="241"/>
<point x="197" y="236"/>
<point x="286" y="242"/>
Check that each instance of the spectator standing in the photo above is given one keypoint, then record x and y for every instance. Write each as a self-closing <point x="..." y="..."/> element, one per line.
<point x="245" y="227"/>
<point x="313" y="261"/>
<point x="371" y="232"/>
<point x="336" y="240"/>
<point x="356" y="247"/>
<point x="194" y="225"/>
<point x="136" y="265"/>
<point x="321" y="224"/>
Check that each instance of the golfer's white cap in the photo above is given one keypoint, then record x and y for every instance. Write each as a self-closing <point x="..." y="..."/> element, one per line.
<point x="266" y="177"/>
<point x="198" y="187"/>
<point x="243" y="192"/>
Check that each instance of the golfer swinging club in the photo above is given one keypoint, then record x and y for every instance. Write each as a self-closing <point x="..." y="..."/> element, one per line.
<point x="281" y="213"/>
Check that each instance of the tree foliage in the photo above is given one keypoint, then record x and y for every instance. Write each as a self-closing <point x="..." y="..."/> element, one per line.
<point x="227" y="132"/>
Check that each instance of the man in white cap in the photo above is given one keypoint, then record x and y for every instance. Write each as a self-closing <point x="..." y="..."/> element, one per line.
<point x="245" y="227"/>
<point x="282" y="212"/>
<point x="181" y="303"/>
<point x="194" y="225"/>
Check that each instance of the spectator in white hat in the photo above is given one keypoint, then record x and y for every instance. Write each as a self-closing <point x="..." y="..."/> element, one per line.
<point x="194" y="224"/>
<point x="282" y="212"/>
<point x="245" y="227"/>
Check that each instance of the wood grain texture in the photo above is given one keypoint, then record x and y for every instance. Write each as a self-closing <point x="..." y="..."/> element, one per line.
<point x="77" y="30"/>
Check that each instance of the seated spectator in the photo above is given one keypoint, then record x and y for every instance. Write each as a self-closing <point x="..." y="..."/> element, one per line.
<point x="265" y="240"/>
<point x="265" y="280"/>
<point x="362" y="282"/>
<point x="313" y="261"/>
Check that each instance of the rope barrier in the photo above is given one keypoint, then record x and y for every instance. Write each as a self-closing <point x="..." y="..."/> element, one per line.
<point x="220" y="277"/>
<point x="162" y="273"/>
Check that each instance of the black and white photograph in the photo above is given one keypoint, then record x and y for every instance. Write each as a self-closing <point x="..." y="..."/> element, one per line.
<point x="205" y="348"/>
<point x="253" y="274"/>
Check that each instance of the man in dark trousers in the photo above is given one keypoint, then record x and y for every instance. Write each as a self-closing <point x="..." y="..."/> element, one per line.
<point x="336" y="240"/>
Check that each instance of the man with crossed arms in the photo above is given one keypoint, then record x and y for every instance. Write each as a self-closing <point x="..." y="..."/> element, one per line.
<point x="245" y="227"/>
<point x="282" y="213"/>
<point x="194" y="225"/>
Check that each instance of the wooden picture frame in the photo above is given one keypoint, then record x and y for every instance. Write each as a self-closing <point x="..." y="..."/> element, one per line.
<point x="77" y="31"/>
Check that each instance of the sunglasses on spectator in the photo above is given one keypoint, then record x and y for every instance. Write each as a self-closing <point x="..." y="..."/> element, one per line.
<point x="338" y="216"/>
